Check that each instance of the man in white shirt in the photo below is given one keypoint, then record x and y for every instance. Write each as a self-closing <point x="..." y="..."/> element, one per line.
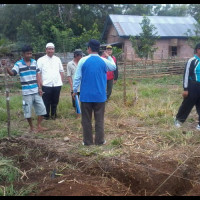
<point x="51" y="76"/>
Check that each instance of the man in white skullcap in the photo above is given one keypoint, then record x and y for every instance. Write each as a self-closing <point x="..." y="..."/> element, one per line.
<point x="51" y="80"/>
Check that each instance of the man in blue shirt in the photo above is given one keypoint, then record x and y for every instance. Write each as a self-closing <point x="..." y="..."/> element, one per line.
<point x="91" y="75"/>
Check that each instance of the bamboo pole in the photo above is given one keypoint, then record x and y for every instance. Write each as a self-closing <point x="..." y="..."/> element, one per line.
<point x="124" y="77"/>
<point x="7" y="95"/>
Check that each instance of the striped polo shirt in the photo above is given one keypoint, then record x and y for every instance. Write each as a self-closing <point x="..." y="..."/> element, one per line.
<point x="27" y="76"/>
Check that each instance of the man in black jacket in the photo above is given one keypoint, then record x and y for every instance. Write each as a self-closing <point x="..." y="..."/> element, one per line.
<point x="191" y="85"/>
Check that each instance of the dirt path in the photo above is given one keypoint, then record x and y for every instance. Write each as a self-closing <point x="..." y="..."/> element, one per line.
<point x="59" y="170"/>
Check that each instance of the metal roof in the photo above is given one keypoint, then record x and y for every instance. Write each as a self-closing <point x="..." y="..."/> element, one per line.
<point x="167" y="26"/>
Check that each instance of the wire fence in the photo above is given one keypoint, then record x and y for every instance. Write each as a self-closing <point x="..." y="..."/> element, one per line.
<point x="152" y="68"/>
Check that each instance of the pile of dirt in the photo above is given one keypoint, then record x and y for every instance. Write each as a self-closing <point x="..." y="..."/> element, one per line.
<point x="63" y="174"/>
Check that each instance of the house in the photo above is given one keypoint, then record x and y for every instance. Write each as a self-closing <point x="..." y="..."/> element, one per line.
<point x="172" y="31"/>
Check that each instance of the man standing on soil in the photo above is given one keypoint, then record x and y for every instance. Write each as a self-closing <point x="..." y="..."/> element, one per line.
<point x="191" y="85"/>
<point x="91" y="75"/>
<point x="112" y="76"/>
<point x="52" y="75"/>
<point x="31" y="93"/>
<point x="71" y="68"/>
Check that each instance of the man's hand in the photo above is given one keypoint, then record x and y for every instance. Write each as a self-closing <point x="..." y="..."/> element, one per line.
<point x="73" y="95"/>
<point x="40" y="91"/>
<point x="185" y="94"/>
<point x="3" y="62"/>
<point x="106" y="54"/>
<point x="114" y="81"/>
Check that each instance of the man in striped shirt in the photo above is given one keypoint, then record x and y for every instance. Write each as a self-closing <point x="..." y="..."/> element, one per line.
<point x="32" y="95"/>
<point x="191" y="85"/>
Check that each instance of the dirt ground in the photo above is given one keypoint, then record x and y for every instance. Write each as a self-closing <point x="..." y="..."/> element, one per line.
<point x="57" y="171"/>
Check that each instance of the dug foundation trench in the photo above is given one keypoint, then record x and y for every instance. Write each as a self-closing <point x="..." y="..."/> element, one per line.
<point x="141" y="175"/>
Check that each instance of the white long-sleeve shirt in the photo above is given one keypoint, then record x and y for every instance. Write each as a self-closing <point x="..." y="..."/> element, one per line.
<point x="50" y="68"/>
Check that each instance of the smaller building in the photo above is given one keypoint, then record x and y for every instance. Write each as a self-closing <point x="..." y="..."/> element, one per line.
<point x="173" y="41"/>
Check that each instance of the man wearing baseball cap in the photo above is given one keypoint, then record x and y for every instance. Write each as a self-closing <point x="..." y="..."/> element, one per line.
<point x="52" y="73"/>
<point x="91" y="76"/>
<point x="112" y="76"/>
<point x="71" y="68"/>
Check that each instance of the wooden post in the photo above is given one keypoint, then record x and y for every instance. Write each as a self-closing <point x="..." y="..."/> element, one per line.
<point x="7" y="96"/>
<point x="124" y="77"/>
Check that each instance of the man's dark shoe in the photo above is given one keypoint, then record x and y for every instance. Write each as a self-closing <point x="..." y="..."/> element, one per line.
<point x="46" y="118"/>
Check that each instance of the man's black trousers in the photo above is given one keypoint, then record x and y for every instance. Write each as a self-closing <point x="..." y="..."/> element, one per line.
<point x="51" y="98"/>
<point x="189" y="102"/>
<point x="109" y="88"/>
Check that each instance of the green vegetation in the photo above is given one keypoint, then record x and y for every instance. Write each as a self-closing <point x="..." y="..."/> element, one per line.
<point x="143" y="43"/>
<point x="70" y="26"/>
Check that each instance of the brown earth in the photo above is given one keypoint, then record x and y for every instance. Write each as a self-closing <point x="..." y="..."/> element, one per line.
<point x="57" y="172"/>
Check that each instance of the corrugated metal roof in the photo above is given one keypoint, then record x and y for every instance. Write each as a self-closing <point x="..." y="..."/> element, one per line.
<point x="167" y="26"/>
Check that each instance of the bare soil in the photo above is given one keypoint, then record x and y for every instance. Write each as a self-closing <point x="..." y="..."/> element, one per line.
<point x="57" y="172"/>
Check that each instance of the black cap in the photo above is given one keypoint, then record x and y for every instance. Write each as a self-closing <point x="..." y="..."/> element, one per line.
<point x="197" y="46"/>
<point x="78" y="51"/>
<point x="94" y="44"/>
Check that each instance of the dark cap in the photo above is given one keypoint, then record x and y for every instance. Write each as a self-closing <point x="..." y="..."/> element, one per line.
<point x="197" y="46"/>
<point x="94" y="44"/>
<point x="78" y="51"/>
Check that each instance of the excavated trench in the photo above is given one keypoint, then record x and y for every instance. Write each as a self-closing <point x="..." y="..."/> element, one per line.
<point x="87" y="176"/>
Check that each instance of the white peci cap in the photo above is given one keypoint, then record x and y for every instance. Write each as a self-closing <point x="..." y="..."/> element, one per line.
<point x="50" y="44"/>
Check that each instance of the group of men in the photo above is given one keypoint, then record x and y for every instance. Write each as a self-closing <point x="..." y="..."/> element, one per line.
<point x="42" y="80"/>
<point x="89" y="77"/>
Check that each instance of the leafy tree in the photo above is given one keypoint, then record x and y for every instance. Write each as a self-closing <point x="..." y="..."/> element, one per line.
<point x="143" y="44"/>
<point x="171" y="10"/>
<point x="138" y="9"/>
<point x="5" y="46"/>
<point x="194" y="37"/>
<point x="117" y="52"/>
<point x="27" y="34"/>
<point x="10" y="18"/>
<point x="93" y="33"/>
<point x="63" y="39"/>
<point x="194" y="10"/>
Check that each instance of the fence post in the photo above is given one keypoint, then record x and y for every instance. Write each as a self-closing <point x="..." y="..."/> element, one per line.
<point x="124" y="77"/>
<point x="7" y="96"/>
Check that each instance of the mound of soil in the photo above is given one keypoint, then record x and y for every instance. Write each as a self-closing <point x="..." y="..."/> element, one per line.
<point x="59" y="173"/>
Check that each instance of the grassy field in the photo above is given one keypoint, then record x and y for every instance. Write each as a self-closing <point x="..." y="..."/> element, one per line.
<point x="144" y="125"/>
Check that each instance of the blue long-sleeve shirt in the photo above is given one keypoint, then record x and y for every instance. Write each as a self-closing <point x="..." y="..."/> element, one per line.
<point x="91" y="75"/>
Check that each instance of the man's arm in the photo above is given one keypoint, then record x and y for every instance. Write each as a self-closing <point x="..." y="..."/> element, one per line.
<point x="39" y="82"/>
<point x="61" y="70"/>
<point x="70" y="82"/>
<point x="110" y="64"/>
<point x="186" y="78"/>
<point x="62" y="76"/>
<point x="78" y="74"/>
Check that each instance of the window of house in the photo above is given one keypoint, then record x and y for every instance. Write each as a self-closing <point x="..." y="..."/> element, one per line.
<point x="173" y="51"/>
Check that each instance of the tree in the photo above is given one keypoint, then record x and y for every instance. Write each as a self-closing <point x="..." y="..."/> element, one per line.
<point x="63" y="39"/>
<point x="143" y="44"/>
<point x="138" y="9"/>
<point x="194" y="10"/>
<point x="194" y="37"/>
<point x="171" y="10"/>
<point x="93" y="33"/>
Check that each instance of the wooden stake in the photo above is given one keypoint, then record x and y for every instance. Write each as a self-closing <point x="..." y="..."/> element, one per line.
<point x="124" y="95"/>
<point x="7" y="97"/>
